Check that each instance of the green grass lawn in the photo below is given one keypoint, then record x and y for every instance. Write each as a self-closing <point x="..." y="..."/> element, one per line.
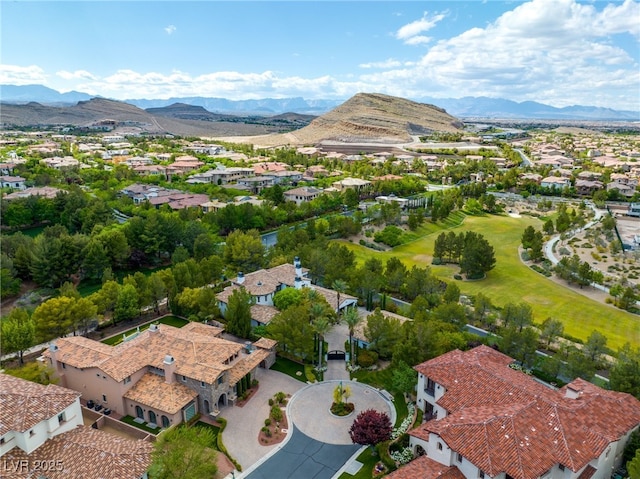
<point x="512" y="281"/>
<point x="130" y="420"/>
<point x="215" y="429"/>
<point x="169" y="320"/>
<point x="382" y="379"/>
<point x="368" y="461"/>
<point x="290" y="368"/>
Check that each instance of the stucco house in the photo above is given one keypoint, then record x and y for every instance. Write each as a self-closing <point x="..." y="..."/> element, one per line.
<point x="555" y="182"/>
<point x="162" y="376"/>
<point x="302" y="194"/>
<point x="265" y="283"/>
<point x="485" y="419"/>
<point x="42" y="435"/>
<point x="13" y="182"/>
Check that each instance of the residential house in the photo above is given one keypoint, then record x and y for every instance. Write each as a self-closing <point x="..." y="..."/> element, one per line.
<point x="588" y="187"/>
<point x="216" y="205"/>
<point x="42" y="435"/>
<point x="360" y="338"/>
<point x="351" y="183"/>
<point x="402" y="202"/>
<point x="42" y="191"/>
<point x="256" y="184"/>
<point x="554" y="182"/>
<point x="284" y="177"/>
<point x="221" y="175"/>
<point x="304" y="194"/>
<point x="263" y="284"/>
<point x="13" y="182"/>
<point x="7" y="168"/>
<point x="162" y="376"/>
<point x="488" y="420"/>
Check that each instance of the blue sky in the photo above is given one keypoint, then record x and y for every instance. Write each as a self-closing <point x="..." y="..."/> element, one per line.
<point x="560" y="52"/>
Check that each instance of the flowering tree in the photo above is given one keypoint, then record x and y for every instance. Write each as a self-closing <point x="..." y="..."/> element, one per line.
<point x="370" y="428"/>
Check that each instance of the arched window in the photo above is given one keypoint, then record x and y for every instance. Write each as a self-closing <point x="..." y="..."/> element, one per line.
<point x="152" y="417"/>
<point x="165" y="422"/>
<point x="139" y="412"/>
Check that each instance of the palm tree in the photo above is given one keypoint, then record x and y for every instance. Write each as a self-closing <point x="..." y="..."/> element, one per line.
<point x="339" y="286"/>
<point x="352" y="319"/>
<point x="321" y="326"/>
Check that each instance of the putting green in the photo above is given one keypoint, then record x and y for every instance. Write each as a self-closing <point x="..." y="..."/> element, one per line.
<point x="512" y="282"/>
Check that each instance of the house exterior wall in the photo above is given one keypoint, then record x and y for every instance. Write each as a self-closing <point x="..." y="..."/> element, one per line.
<point x="94" y="385"/>
<point x="36" y="436"/>
<point x="131" y="411"/>
<point x="423" y="397"/>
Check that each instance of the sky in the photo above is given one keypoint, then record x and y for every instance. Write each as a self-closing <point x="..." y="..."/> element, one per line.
<point x="559" y="52"/>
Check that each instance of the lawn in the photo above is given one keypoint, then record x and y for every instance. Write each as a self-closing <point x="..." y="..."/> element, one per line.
<point x="214" y="429"/>
<point x="169" y="320"/>
<point x="382" y="379"/>
<point x="290" y="368"/>
<point x="512" y="281"/>
<point x="130" y="420"/>
<point x="368" y="461"/>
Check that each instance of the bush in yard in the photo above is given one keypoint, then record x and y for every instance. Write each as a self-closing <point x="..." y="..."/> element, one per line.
<point x="370" y="428"/>
<point x="367" y="358"/>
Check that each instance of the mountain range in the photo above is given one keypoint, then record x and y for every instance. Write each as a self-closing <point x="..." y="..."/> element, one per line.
<point x="467" y="107"/>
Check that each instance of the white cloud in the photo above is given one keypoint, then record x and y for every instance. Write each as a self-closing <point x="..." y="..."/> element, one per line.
<point x="76" y="75"/>
<point x="411" y="32"/>
<point x="389" y="63"/>
<point x="19" y="75"/>
<point x="170" y="29"/>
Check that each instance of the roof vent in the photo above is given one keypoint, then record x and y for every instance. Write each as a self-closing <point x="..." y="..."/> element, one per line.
<point x="168" y="359"/>
<point x="153" y="328"/>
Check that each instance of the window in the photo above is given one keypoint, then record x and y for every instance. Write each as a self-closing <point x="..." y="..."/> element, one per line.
<point x="430" y="388"/>
<point x="220" y="379"/>
<point x="61" y="418"/>
<point x="481" y="474"/>
<point x="31" y="433"/>
<point x="64" y="366"/>
<point x="202" y="384"/>
<point x="439" y="446"/>
<point x="104" y="397"/>
<point x="1" y="440"/>
<point x="127" y="380"/>
<point x="459" y="458"/>
<point x="184" y="378"/>
<point x="561" y="467"/>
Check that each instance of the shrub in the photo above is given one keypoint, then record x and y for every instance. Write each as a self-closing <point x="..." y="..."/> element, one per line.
<point x="390" y="235"/>
<point x="254" y="383"/>
<point x="267" y="422"/>
<point x="281" y="397"/>
<point x="271" y="402"/>
<point x="276" y="413"/>
<point x="458" y="277"/>
<point x="367" y="358"/>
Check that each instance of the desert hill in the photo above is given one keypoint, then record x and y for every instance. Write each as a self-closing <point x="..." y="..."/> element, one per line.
<point x="370" y="117"/>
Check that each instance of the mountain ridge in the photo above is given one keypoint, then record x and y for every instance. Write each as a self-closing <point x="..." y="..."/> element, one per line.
<point x="476" y="107"/>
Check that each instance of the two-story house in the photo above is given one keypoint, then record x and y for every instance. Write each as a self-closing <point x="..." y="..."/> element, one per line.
<point x="487" y="420"/>
<point x="42" y="435"/>
<point x="263" y="284"/>
<point x="162" y="376"/>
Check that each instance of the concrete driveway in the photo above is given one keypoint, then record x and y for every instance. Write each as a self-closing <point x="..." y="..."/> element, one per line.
<point x="318" y="445"/>
<point x="244" y="423"/>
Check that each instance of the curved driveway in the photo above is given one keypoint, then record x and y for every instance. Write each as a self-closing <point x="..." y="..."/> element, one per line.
<point x="319" y="444"/>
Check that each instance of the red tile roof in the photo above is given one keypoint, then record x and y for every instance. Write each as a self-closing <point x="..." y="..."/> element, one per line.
<point x="426" y="468"/>
<point x="502" y="420"/>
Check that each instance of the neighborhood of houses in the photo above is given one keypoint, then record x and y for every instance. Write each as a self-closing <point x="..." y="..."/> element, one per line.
<point x="482" y="417"/>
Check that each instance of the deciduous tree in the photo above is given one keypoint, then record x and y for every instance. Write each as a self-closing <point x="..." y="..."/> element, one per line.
<point x="185" y="452"/>
<point x="370" y="428"/>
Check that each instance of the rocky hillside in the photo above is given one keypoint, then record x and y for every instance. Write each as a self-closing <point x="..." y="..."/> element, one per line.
<point x="377" y="117"/>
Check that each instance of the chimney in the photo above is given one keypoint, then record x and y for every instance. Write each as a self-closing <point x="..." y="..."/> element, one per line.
<point x="572" y="392"/>
<point x="297" y="283"/>
<point x="169" y="369"/>
<point x="53" y="350"/>
<point x="297" y="266"/>
<point x="240" y="279"/>
<point x="153" y="328"/>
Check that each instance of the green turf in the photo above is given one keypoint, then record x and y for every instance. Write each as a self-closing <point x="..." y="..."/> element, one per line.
<point x="130" y="420"/>
<point x="368" y="461"/>
<point x="169" y="320"/>
<point x="382" y="379"/>
<point x="215" y="429"/>
<point x="512" y="281"/>
<point x="290" y="368"/>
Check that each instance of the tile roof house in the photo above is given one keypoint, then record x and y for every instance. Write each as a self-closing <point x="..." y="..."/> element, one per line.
<point x="163" y="376"/>
<point x="265" y="283"/>
<point x="486" y="419"/>
<point x="302" y="194"/>
<point x="13" y="182"/>
<point x="42" y="435"/>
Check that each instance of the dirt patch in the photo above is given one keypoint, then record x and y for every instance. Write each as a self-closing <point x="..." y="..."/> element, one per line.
<point x="225" y="466"/>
